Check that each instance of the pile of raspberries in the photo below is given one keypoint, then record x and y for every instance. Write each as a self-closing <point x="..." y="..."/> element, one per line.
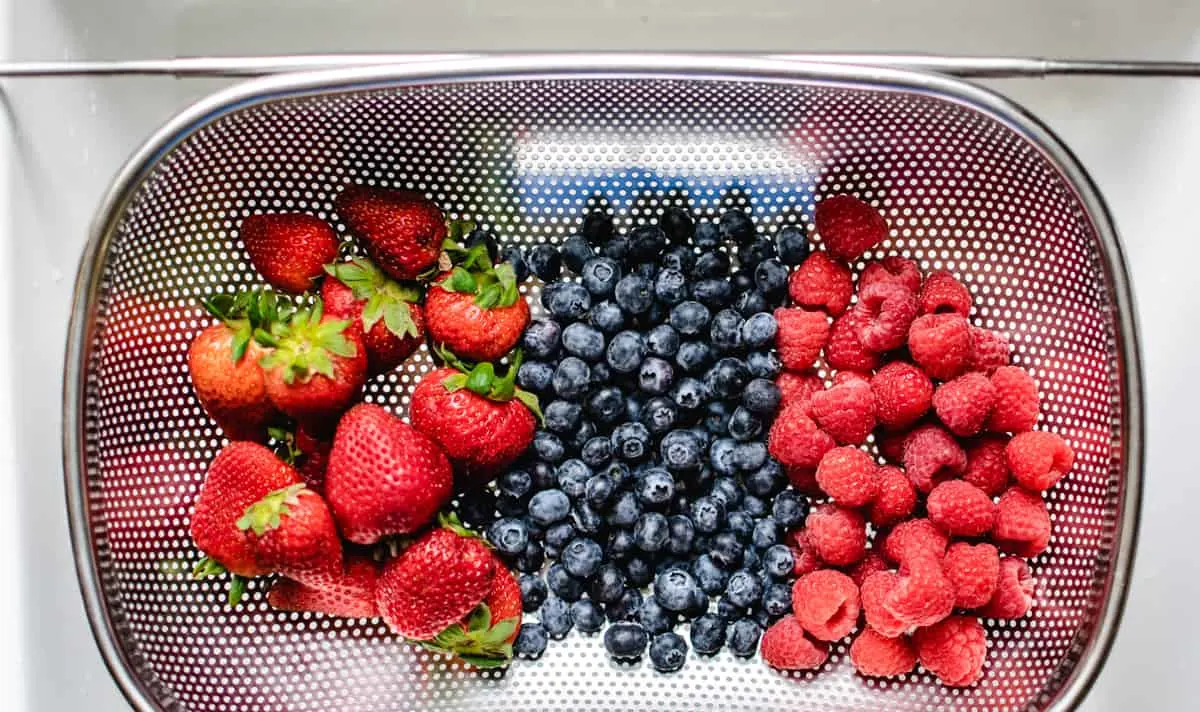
<point x="910" y="548"/>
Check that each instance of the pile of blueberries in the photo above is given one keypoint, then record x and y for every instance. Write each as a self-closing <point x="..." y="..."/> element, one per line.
<point x="649" y="491"/>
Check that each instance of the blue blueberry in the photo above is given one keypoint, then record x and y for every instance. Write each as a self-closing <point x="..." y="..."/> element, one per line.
<point x="607" y="317"/>
<point x="682" y="535"/>
<point x="597" y="227"/>
<point x="596" y="453"/>
<point x="555" y="617"/>
<point x="531" y="641"/>
<point x="741" y="524"/>
<point x="694" y="356"/>
<point x="761" y="396"/>
<point x="751" y="561"/>
<point x="744" y="425"/>
<point x="777" y="599"/>
<point x="728" y="377"/>
<point x="548" y="446"/>
<point x="721" y="456"/>
<point x="562" y="584"/>
<point x="726" y="330"/>
<point x="573" y="475"/>
<point x="736" y="227"/>
<point x="478" y="507"/>
<point x="549" y="507"/>
<point x="654" y="618"/>
<point x="771" y="278"/>
<point x="758" y="331"/>
<point x="750" y="456"/>
<point x="621" y="474"/>
<point x="510" y="506"/>
<point x="544" y="474"/>
<point x="584" y="341"/>
<point x="791" y="244"/>
<point x="680" y="258"/>
<point x="659" y="414"/>
<point x="541" y="338"/>
<point x="625" y="510"/>
<point x="545" y="262"/>
<point x="646" y="242"/>
<point x="533" y="592"/>
<point x="742" y="281"/>
<point x="531" y="560"/>
<point x="634" y="294"/>
<point x="728" y="610"/>
<point x="764" y="364"/>
<point x="670" y="287"/>
<point x="626" y="606"/>
<point x="600" y="487"/>
<point x="616" y="249"/>
<point x="749" y="303"/>
<point x="509" y="535"/>
<point x="626" y="351"/>
<point x="638" y="571"/>
<point x="765" y="534"/>
<point x="690" y="318"/>
<point x="745" y="589"/>
<point x="676" y="222"/>
<point x="606" y="405"/>
<point x="562" y="416"/>
<point x="690" y="394"/>
<point x="790" y="509"/>
<point x="571" y="378"/>
<point x="535" y="376"/>
<point x="599" y="276"/>
<point x="754" y="506"/>
<point x="707" y="235"/>
<point x="709" y="576"/>
<point x="726" y="550"/>
<point x="743" y="637"/>
<point x="668" y="652"/>
<point x="655" y="488"/>
<point x="587" y="616"/>
<point x="708" y="634"/>
<point x="586" y="431"/>
<point x="608" y="584"/>
<point x="651" y="532"/>
<point x="625" y="641"/>
<point x="588" y="519"/>
<point x="512" y="255"/>
<point x="655" y="376"/>
<point x="713" y="293"/>
<point x="675" y="589"/>
<point x="766" y="480"/>
<point x="631" y="441"/>
<point x="714" y="264"/>
<point x="663" y="341"/>
<point x="482" y="236"/>
<point x="566" y="300"/>
<point x="681" y="450"/>
<point x="728" y="492"/>
<point x="716" y="417"/>
<point x="602" y="374"/>
<point x="558" y="534"/>
<point x="777" y="561"/>
<point x="708" y="514"/>
<point x="575" y="251"/>
<point x="753" y="254"/>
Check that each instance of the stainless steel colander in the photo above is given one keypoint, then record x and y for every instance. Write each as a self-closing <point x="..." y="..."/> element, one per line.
<point x="968" y="181"/>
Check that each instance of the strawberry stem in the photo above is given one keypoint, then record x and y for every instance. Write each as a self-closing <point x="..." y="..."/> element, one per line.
<point x="304" y="344"/>
<point x="267" y="513"/>
<point x="237" y="589"/>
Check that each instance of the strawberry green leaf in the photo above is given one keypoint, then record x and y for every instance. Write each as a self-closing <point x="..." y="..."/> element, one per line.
<point x="460" y="281"/>
<point x="373" y="310"/>
<point x="502" y="390"/>
<point x="457" y="382"/>
<point x="265" y="338"/>
<point x="504" y="628"/>
<point x="450" y="520"/>
<point x="530" y="401"/>
<point x="489" y="296"/>
<point x="219" y="305"/>
<point x="237" y="589"/>
<point x="266" y="514"/>
<point x="480" y="618"/>
<point x="319" y="362"/>
<point x="488" y="663"/>
<point x="481" y="377"/>
<point x="240" y="342"/>
<point x="399" y="321"/>
<point x="449" y="358"/>
<point x="207" y="568"/>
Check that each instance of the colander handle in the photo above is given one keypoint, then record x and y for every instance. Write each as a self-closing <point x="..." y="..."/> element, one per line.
<point x="248" y="66"/>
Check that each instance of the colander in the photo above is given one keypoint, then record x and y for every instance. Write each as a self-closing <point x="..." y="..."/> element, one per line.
<point x="968" y="181"/>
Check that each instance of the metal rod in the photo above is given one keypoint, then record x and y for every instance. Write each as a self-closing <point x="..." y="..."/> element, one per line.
<point x="250" y="66"/>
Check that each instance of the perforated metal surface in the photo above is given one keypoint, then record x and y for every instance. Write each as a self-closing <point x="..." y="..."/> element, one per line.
<point x="961" y="190"/>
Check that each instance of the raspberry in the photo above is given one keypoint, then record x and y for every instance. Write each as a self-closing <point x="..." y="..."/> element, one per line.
<point x="820" y="282"/>
<point x="844" y="351"/>
<point x="965" y="403"/>
<point x="1015" y="590"/>
<point x="826" y="603"/>
<point x="795" y="440"/>
<point x="961" y="508"/>
<point x="885" y="312"/>
<point x="896" y="499"/>
<point x="1038" y="460"/>
<point x="785" y="646"/>
<point x="849" y="227"/>
<point x="989" y="350"/>
<point x="800" y="337"/>
<point x="1016" y="401"/>
<point x="891" y="444"/>
<point x="942" y="293"/>
<point x="846" y="411"/>
<point x="797" y="387"/>
<point x="953" y="650"/>
<point x="892" y="268"/>
<point x="804" y="556"/>
<point x="932" y="455"/>
<point x="804" y="479"/>
<point x="875" y="590"/>
<point x="838" y="535"/>
<point x="871" y="563"/>
<point x="923" y="594"/>
<point x="912" y="538"/>
<point x="1022" y="523"/>
<point x="903" y="393"/>
<point x="849" y="476"/>
<point x="841" y="378"/>
<point x="940" y="344"/>
<point x="987" y="466"/>
<point x="974" y="570"/>
<point x="876" y="655"/>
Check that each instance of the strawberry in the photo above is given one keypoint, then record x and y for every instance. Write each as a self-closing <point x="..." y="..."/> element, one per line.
<point x="482" y="421"/>
<point x="290" y="250"/>
<point x="350" y="595"/>
<point x="317" y="366"/>
<point x="401" y="230"/>
<point x="483" y="639"/>
<point x="293" y="534"/>
<point x="384" y="477"/>
<point x="384" y="311"/>
<point x="475" y="309"/>
<point x="435" y="582"/>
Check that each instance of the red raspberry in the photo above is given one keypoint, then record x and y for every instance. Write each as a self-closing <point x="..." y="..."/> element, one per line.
<point x="913" y="538"/>
<point x="942" y="293"/>
<point x="896" y="499"/>
<point x="800" y="337"/>
<point x="961" y="508"/>
<point x="885" y="312"/>
<point x="838" y="535"/>
<point x="795" y="440"/>
<point x="932" y="455"/>
<point x="876" y="655"/>
<point x="1015" y="590"/>
<point x="785" y="646"/>
<point x="871" y="563"/>
<point x="989" y="350"/>
<point x="804" y="556"/>
<point x="844" y="351"/>
<point x="892" y="268"/>
<point x="953" y="650"/>
<point x="841" y="378"/>
<point x="820" y="282"/>
<point x="849" y="476"/>
<point x="875" y="590"/>
<point x="1016" y="401"/>
<point x="849" y="227"/>
<point x="923" y="594"/>
<point x="826" y="603"/>
<point x="903" y="393"/>
<point x="846" y="411"/>
<point x="1022" y="523"/>
<point x="797" y="387"/>
<point x="965" y="403"/>
<point x="987" y="466"/>
<point x="974" y="570"/>
<point x="804" y="479"/>
<point x="1038" y="460"/>
<point x="940" y="344"/>
<point x="891" y="444"/>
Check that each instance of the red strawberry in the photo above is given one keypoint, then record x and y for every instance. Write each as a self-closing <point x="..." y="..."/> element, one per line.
<point x="290" y="250"/>
<point x="483" y="422"/>
<point x="314" y="458"/>
<point x="384" y="477"/>
<point x="475" y="309"/>
<point x="384" y="311"/>
<point x="401" y="230"/>
<point x="317" y="366"/>
<point x="293" y="534"/>
<point x="435" y="582"/>
<point x="350" y="595"/>
<point x="484" y="638"/>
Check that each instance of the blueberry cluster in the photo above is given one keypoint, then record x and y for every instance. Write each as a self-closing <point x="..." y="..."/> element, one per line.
<point x="649" y="492"/>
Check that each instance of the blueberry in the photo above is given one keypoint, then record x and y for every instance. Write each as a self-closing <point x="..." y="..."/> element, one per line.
<point x="512" y="255"/>
<point x="481" y="236"/>
<point x="750" y="302"/>
<point x="557" y="535"/>
<point x="566" y="300"/>
<point x="653" y="617"/>
<point x="651" y="532"/>
<point x="771" y="278"/>
<point x="562" y="416"/>
<point x="744" y="425"/>
<point x="677" y="224"/>
<point x="633" y="407"/>
<point x="646" y="242"/>
<point x="601" y="374"/>
<point x="607" y="406"/>
<point x="741" y="524"/>
<point x="716" y="418"/>
<point x="548" y="446"/>
<point x="754" y="506"/>
<point x="625" y="606"/>
<point x="625" y="641"/>
<point x="708" y="514"/>
<point x="742" y="281"/>
<point x="777" y="599"/>
<point x="791" y="243"/>
<point x="535" y="376"/>
<point x="790" y="509"/>
<point x="597" y="227"/>
<point x="765" y="534"/>
<point x="478" y="507"/>
<point x="709" y="576"/>
<point x="711" y="265"/>
<point x="766" y="480"/>
<point x="545" y="262"/>
<point x="573" y="475"/>
<point x="607" y="317"/>
<point x="663" y="341"/>
<point x="690" y="394"/>
<point x="600" y="275"/>
<point x="758" y="331"/>
<point x="675" y="589"/>
<point x="616" y="249"/>
<point x="708" y="634"/>
<point x="655" y="376"/>
<point x="690" y="318"/>
<point x="596" y="453"/>
<point x="668" y="652"/>
<point x="728" y="491"/>
<point x="751" y="561"/>
<point x="584" y="341"/>
<point x="764" y="364"/>
<point x="681" y="450"/>
<point x="753" y="254"/>
<point x="670" y="287"/>
<point x="631" y="441"/>
<point x="625" y="510"/>
<point x="634" y="294"/>
<point x="515" y="483"/>
<point x="510" y="506"/>
<point x="599" y="488"/>
<point x="750" y="456"/>
<point x="533" y="592"/>
<point x="541" y="338"/>
<point x="588" y="519"/>
<point x="562" y="584"/>
<point x="736" y="226"/>
<point x="743" y="637"/>
<point x="571" y="378"/>
<point x="531" y="560"/>
<point x="575" y="251"/>
<point x="587" y="616"/>
<point x="682" y="535"/>
<point x="556" y="617"/>
<point x="728" y="610"/>
<point x="620" y="545"/>
<point x="707" y="236"/>
<point x="777" y="561"/>
<point x="726" y="550"/>
<point x="531" y="641"/>
<point x="659" y="415"/>
<point x="713" y="293"/>
<point x="721" y="456"/>
<point x="694" y="356"/>
<point x="544" y="474"/>
<point x="761" y="396"/>
<point x="647" y="271"/>
<point x="728" y="377"/>
<point x="626" y="351"/>
<point x="744" y="589"/>
<point x="638" y="571"/>
<point x="608" y="584"/>
<point x="679" y="258"/>
<point x="620" y="473"/>
<point x="655" y="488"/>
<point x="549" y="507"/>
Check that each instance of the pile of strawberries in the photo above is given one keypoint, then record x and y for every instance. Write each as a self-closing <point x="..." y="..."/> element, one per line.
<point x="313" y="478"/>
<point x="913" y="547"/>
